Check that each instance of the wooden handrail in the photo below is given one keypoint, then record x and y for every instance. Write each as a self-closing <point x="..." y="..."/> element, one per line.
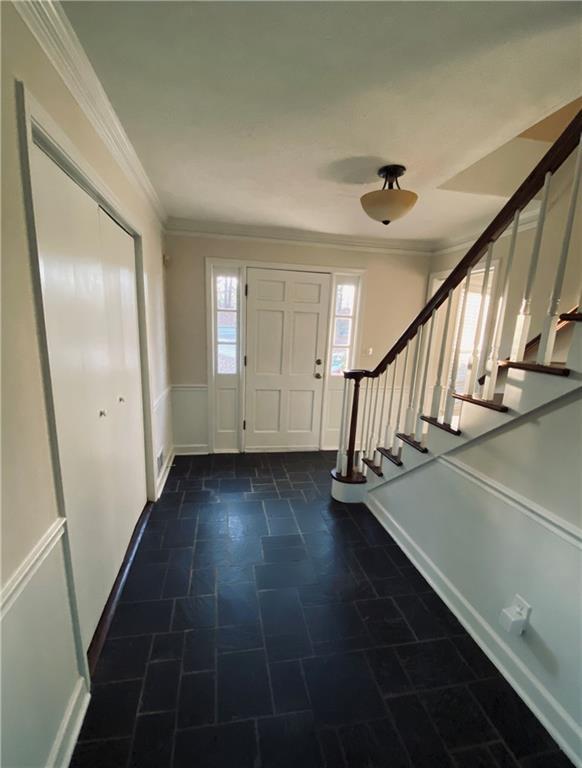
<point x="550" y="162"/>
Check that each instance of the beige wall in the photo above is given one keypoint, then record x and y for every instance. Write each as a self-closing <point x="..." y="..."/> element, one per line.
<point x="28" y="498"/>
<point x="394" y="291"/>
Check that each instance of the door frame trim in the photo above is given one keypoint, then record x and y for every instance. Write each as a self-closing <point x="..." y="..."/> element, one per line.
<point x="242" y="265"/>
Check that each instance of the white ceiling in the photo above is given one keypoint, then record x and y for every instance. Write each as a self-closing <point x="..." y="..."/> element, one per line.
<point x="277" y="115"/>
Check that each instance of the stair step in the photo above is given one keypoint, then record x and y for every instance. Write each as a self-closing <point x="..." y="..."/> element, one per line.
<point x="441" y="425"/>
<point x="390" y="456"/>
<point x="494" y="405"/>
<point x="412" y="442"/>
<point x="375" y="469"/>
<point x="354" y="478"/>
<point x="575" y="317"/>
<point x="554" y="369"/>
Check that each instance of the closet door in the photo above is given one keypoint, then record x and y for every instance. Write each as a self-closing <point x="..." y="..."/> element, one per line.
<point x="127" y="450"/>
<point x="74" y="312"/>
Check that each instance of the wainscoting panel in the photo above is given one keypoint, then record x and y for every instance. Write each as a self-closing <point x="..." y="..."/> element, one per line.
<point x="478" y="548"/>
<point x="190" y="418"/>
<point x="163" y="438"/>
<point x="44" y="695"/>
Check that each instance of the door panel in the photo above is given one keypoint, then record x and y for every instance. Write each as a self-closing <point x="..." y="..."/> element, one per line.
<point x="287" y="317"/>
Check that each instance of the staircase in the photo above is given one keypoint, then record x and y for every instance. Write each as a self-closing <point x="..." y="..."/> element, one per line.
<point x="408" y="410"/>
<point x="416" y="430"/>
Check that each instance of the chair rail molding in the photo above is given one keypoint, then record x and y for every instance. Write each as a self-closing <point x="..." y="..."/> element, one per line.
<point x="51" y="28"/>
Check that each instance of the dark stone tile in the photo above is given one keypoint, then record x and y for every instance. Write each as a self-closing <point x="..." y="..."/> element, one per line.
<point x="112" y="753"/>
<point x="371" y="745"/>
<point x="141" y="618"/>
<point x="502" y="756"/>
<point x="123" y="658"/>
<point x="425" y="625"/>
<point x="288" y="741"/>
<point x="384" y="622"/>
<point x="161" y="686"/>
<point x="168" y="646"/>
<point x="547" y="760"/>
<point x="308" y="517"/>
<point x="437" y="607"/>
<point x="237" y="604"/>
<point x="335" y="588"/>
<point x="199" y="496"/>
<point x="202" y="582"/>
<point x="331" y="748"/>
<point x="458" y="718"/>
<point x="180" y="533"/>
<point x="288" y="686"/>
<point x="196" y="703"/>
<point x="278" y="507"/>
<point x="394" y="586"/>
<point x="433" y="664"/>
<point x="233" y="574"/>
<point x="238" y="484"/>
<point x="475" y="657"/>
<point x="520" y="730"/>
<point x="181" y="557"/>
<point x="475" y="757"/>
<point x="281" y="541"/>
<point x="153" y="742"/>
<point x="245" y="551"/>
<point x="112" y="710"/>
<point x="278" y="575"/>
<point x="245" y="637"/>
<point x="177" y="583"/>
<point x="281" y="612"/>
<point x="194" y="613"/>
<point x="374" y="533"/>
<point x="388" y="671"/>
<point x="212" y="530"/>
<point x="375" y="562"/>
<point x="293" y="645"/>
<point x="199" y="650"/>
<point x="243" y="686"/>
<point x="217" y="746"/>
<point x="285" y="555"/>
<point x="422" y="742"/>
<point x="333" y="620"/>
<point x="247" y="525"/>
<point x="144" y="582"/>
<point x="209" y="554"/>
<point x="342" y="689"/>
<point x="346" y="530"/>
<point x="279" y="526"/>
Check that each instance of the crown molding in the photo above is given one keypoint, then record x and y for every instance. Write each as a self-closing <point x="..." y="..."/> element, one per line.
<point x="51" y="28"/>
<point x="191" y="228"/>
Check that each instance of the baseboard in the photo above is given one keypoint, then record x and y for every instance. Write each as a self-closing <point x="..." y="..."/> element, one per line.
<point x="106" y="617"/>
<point x="66" y="738"/>
<point x="562" y="727"/>
<point x="163" y="476"/>
<point x="191" y="450"/>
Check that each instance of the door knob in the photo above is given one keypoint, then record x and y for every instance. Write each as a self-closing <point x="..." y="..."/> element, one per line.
<point x="318" y="361"/>
<point x="121" y="399"/>
<point x="318" y="375"/>
<point x="102" y="413"/>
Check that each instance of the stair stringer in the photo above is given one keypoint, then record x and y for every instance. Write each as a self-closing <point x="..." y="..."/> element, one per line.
<point x="524" y="392"/>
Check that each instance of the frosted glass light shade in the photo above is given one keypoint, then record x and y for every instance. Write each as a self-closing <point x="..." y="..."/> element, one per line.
<point x="386" y="205"/>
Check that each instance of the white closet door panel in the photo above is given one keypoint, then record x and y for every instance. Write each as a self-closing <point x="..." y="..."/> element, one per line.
<point x="127" y="451"/>
<point x="74" y="308"/>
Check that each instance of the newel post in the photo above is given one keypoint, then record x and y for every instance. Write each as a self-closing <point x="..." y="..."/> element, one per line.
<point x="353" y="419"/>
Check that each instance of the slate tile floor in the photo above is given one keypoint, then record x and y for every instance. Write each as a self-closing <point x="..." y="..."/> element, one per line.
<point x="264" y="625"/>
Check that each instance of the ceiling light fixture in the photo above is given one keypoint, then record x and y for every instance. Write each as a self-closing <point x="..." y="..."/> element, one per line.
<point x="386" y="205"/>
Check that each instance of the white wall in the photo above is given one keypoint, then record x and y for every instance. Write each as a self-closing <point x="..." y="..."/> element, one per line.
<point x="503" y="516"/>
<point x="43" y="689"/>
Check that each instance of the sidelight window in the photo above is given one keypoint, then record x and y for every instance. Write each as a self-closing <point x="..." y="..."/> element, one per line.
<point x="343" y="326"/>
<point x="226" y="322"/>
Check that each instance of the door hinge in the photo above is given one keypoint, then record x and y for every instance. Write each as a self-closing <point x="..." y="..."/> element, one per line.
<point x="246" y="289"/>
<point x="245" y="360"/>
<point x="244" y="423"/>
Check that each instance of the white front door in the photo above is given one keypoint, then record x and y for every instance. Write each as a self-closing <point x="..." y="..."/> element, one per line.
<point x="287" y="318"/>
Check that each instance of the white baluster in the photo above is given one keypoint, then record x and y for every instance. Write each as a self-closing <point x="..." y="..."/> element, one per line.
<point x="410" y="417"/>
<point x="523" y="323"/>
<point x="370" y="390"/>
<point x="450" y="401"/>
<point x="389" y="436"/>
<point x="398" y="442"/>
<point x="377" y="454"/>
<point x="474" y="363"/>
<point x="439" y="387"/>
<point x="548" y="337"/>
<point x="340" y="450"/>
<point x="371" y="441"/>
<point x="418" y="435"/>
<point x="493" y="363"/>
<point x="362" y="418"/>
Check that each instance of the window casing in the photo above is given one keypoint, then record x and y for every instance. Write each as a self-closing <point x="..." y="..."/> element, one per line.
<point x="343" y="325"/>
<point x="226" y="322"/>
